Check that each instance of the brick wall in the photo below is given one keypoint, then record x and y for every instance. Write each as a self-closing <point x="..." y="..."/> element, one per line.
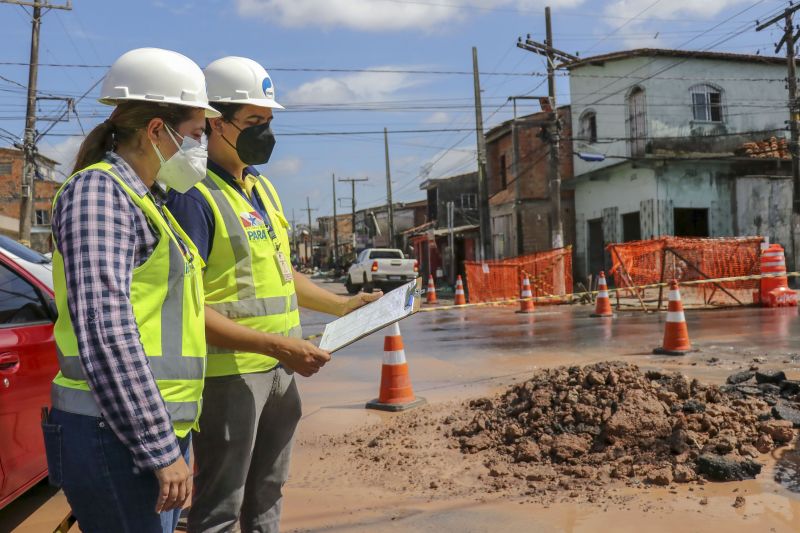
<point x="11" y="189"/>
<point x="534" y="160"/>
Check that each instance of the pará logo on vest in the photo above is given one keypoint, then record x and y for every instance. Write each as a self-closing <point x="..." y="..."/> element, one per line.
<point x="253" y="224"/>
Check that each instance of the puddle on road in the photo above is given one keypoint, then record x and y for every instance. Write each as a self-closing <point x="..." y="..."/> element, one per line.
<point x="787" y="471"/>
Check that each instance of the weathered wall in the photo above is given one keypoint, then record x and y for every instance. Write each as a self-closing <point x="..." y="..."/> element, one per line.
<point x="754" y="99"/>
<point x="654" y="193"/>
<point x="451" y="190"/>
<point x="763" y="206"/>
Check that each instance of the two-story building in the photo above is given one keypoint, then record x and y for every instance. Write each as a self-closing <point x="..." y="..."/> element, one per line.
<point x="371" y="231"/>
<point x="372" y="224"/>
<point x="452" y="232"/>
<point x="518" y="175"/>
<point x="660" y="141"/>
<point x="343" y="235"/>
<point x="45" y="189"/>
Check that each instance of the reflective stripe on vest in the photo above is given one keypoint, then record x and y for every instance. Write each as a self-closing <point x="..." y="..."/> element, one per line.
<point x="168" y="367"/>
<point x="167" y="303"/>
<point x="275" y="305"/>
<point x="238" y="238"/>
<point x="81" y="402"/>
<point x="242" y="280"/>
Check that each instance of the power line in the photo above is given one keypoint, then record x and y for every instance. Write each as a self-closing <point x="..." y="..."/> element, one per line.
<point x="669" y="67"/>
<point x="343" y="70"/>
<point x="628" y="21"/>
<point x="27" y="196"/>
<point x="530" y="11"/>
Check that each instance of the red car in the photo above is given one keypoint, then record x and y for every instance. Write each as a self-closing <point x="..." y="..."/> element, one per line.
<point x="28" y="364"/>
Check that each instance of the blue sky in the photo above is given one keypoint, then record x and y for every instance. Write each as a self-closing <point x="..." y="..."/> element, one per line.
<point x="396" y="35"/>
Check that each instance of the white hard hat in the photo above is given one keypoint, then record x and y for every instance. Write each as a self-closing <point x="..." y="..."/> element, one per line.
<point x="238" y="80"/>
<point x="156" y="75"/>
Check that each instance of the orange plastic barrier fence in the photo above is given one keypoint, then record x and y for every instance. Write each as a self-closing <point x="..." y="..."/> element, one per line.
<point x="686" y="259"/>
<point x="550" y="274"/>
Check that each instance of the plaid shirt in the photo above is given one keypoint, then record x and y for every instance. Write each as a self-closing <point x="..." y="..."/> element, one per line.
<point x="102" y="236"/>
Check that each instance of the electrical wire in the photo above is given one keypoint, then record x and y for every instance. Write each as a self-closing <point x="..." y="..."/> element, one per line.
<point x="673" y="65"/>
<point x="628" y="21"/>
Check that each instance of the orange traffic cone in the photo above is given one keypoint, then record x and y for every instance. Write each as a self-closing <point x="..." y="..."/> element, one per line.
<point x="430" y="292"/>
<point x="461" y="298"/>
<point x="603" y="305"/>
<point x="676" y="336"/>
<point x="396" y="393"/>
<point x="525" y="304"/>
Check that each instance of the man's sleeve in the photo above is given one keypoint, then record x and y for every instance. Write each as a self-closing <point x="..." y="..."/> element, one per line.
<point x="196" y="218"/>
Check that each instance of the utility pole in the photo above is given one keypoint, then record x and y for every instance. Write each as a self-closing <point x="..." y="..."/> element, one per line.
<point x="483" y="188"/>
<point x="553" y="131"/>
<point x="451" y="215"/>
<point x="389" y="188"/>
<point x="335" y="226"/>
<point x="790" y="37"/>
<point x="28" y="196"/>
<point x="556" y="225"/>
<point x="310" y="245"/>
<point x="353" y="182"/>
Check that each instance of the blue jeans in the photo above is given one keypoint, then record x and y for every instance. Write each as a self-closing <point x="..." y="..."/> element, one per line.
<point x="95" y="469"/>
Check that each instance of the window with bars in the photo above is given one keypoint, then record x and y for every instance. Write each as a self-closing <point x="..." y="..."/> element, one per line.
<point x="706" y="103"/>
<point x="6" y="167"/>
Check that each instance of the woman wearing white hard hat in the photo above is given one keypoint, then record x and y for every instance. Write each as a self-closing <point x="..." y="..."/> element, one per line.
<point x="251" y="403"/>
<point x="130" y="330"/>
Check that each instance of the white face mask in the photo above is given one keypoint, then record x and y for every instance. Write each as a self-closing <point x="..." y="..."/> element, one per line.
<point x="186" y="167"/>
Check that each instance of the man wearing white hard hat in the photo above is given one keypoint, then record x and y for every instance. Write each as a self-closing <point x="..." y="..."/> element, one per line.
<point x="130" y="327"/>
<point x="251" y="404"/>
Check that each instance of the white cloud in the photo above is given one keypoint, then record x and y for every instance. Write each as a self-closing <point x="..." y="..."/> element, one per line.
<point x="439" y="117"/>
<point x="358" y="87"/>
<point x="64" y="152"/>
<point x="672" y="8"/>
<point x="452" y="162"/>
<point x="666" y="9"/>
<point x="284" y="167"/>
<point x="380" y="15"/>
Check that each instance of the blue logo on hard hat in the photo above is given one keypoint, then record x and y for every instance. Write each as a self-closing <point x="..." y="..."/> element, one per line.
<point x="266" y="85"/>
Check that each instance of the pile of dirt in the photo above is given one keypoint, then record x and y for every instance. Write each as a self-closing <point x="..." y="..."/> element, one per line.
<point x="612" y="420"/>
<point x="571" y="433"/>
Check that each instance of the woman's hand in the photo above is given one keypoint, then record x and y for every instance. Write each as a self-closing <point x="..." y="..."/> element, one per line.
<point x="359" y="300"/>
<point x="175" y="486"/>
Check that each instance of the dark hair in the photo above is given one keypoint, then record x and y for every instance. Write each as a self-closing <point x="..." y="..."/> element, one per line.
<point x="227" y="110"/>
<point x="121" y="128"/>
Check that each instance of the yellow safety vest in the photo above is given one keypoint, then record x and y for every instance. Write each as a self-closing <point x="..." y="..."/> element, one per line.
<point x="242" y="280"/>
<point x="167" y="302"/>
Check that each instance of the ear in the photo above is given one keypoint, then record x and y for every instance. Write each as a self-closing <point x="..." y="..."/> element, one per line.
<point x="216" y="125"/>
<point x="154" y="129"/>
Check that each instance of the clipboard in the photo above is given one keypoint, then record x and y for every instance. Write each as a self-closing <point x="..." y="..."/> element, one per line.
<point x="392" y="307"/>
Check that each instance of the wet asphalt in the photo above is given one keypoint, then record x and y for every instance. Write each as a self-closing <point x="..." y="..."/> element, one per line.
<point x="451" y="350"/>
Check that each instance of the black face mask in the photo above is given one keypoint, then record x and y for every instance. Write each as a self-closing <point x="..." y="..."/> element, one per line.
<point x="255" y="144"/>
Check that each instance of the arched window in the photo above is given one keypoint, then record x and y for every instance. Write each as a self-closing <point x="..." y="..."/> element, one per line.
<point x="706" y="103"/>
<point x="637" y="121"/>
<point x="588" y="122"/>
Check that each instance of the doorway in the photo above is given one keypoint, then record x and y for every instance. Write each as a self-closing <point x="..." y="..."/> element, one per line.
<point x="631" y="227"/>
<point x="596" y="247"/>
<point x="691" y="222"/>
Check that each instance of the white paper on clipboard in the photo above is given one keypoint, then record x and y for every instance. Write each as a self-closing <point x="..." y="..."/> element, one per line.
<point x="390" y="308"/>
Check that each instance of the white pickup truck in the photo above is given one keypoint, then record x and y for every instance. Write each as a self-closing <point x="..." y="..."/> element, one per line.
<point x="381" y="268"/>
